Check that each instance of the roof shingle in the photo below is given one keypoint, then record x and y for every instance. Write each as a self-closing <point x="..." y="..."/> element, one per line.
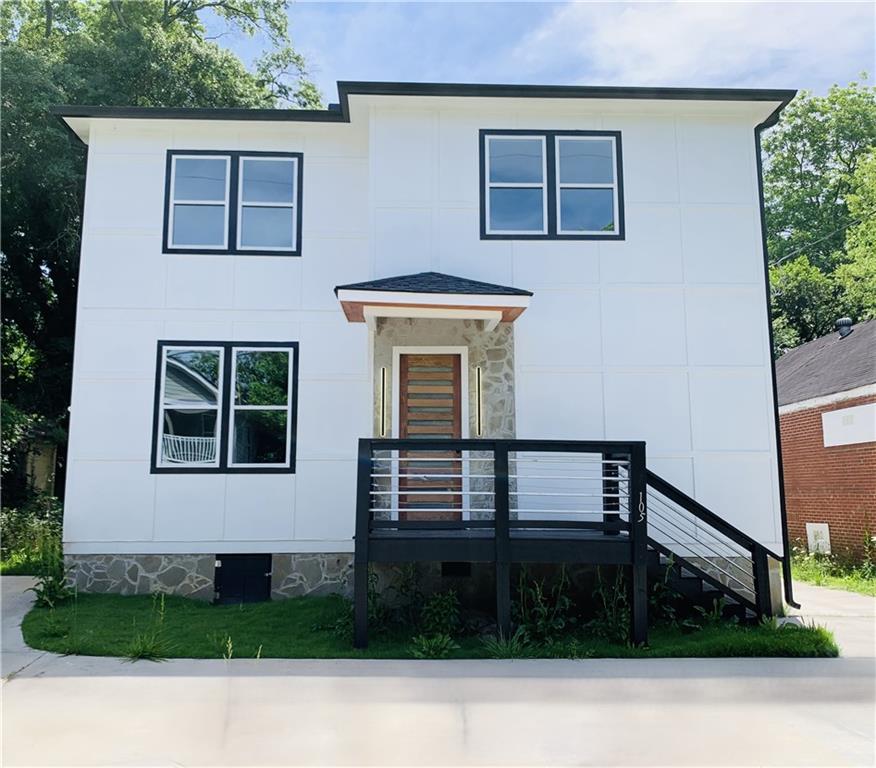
<point x="433" y="282"/>
<point x="828" y="365"/>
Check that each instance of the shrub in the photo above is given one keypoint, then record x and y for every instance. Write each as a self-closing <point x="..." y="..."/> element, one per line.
<point x="518" y="646"/>
<point x="440" y="614"/>
<point x="434" y="647"/>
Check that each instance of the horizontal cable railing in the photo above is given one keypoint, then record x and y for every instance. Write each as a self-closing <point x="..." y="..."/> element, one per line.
<point x="549" y="484"/>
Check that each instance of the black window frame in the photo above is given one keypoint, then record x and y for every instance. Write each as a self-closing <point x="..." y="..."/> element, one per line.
<point x="550" y="138"/>
<point x="233" y="200"/>
<point x="224" y="408"/>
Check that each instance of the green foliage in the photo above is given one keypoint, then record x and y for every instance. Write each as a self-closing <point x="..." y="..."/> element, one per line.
<point x="25" y="529"/>
<point x="662" y="598"/>
<point x="612" y="619"/>
<point x="433" y="646"/>
<point x="820" y="195"/>
<point x="150" y="644"/>
<point x="51" y="584"/>
<point x="804" y="297"/>
<point x="812" y="156"/>
<point x="545" y="611"/>
<point x="518" y="646"/>
<point x="100" y="625"/>
<point x="856" y="277"/>
<point x="855" y="573"/>
<point x="440" y="614"/>
<point x="145" y="53"/>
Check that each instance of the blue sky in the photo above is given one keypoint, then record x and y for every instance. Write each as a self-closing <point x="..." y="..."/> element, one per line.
<point x="733" y="44"/>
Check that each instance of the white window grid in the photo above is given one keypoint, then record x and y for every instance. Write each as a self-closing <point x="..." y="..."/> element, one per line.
<point x="517" y="185"/>
<point x="174" y="202"/>
<point x="241" y="204"/>
<point x="164" y="406"/>
<point x="235" y="407"/>
<point x="561" y="185"/>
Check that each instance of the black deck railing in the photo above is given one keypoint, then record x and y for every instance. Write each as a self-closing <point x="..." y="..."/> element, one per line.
<point x="502" y="502"/>
<point x="542" y="501"/>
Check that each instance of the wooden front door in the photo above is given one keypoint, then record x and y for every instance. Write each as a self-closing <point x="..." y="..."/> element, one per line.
<point x="430" y="407"/>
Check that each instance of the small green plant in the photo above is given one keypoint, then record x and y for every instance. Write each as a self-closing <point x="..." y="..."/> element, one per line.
<point x="570" y="648"/>
<point x="223" y="645"/>
<point x="51" y="587"/>
<point x="661" y="601"/>
<point x="612" y="619"/>
<point x="545" y="611"/>
<point x="150" y="645"/>
<point x="714" y="616"/>
<point x="409" y="595"/>
<point x="440" y="614"/>
<point x="432" y="647"/>
<point x="518" y="646"/>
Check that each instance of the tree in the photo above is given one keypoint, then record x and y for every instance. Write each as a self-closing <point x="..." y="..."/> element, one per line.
<point x="856" y="278"/>
<point x="147" y="53"/>
<point x="803" y="297"/>
<point x="816" y="166"/>
<point x="812" y="156"/>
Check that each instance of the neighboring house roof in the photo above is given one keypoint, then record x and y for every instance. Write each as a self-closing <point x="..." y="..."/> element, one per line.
<point x="828" y="365"/>
<point x="433" y="282"/>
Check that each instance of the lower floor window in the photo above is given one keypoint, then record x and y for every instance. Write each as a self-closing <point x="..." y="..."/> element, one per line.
<point x="225" y="407"/>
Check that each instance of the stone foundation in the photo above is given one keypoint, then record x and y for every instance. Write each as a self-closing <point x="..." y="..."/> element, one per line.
<point x="193" y="575"/>
<point x="186" y="575"/>
<point x="311" y="574"/>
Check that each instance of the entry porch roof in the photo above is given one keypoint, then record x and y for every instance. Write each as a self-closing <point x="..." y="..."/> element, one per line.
<point x="432" y="295"/>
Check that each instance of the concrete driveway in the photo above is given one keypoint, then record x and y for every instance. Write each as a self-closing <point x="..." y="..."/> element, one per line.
<point x="96" y="711"/>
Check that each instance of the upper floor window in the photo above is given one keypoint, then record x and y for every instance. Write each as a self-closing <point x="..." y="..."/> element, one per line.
<point x="225" y="407"/>
<point x="551" y="185"/>
<point x="233" y="202"/>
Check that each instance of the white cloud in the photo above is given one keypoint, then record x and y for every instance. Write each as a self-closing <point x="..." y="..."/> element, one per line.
<point x="705" y="43"/>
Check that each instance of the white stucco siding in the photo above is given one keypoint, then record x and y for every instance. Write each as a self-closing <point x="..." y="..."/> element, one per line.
<point x="662" y="336"/>
<point x="131" y="295"/>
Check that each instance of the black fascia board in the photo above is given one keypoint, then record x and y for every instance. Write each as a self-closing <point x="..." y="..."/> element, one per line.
<point x="340" y="112"/>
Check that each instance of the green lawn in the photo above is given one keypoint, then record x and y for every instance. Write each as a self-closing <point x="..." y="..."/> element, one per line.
<point x="111" y="625"/>
<point x="827" y="571"/>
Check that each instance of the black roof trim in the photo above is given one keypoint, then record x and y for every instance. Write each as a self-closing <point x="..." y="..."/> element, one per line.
<point x="340" y="112"/>
<point x="433" y="282"/>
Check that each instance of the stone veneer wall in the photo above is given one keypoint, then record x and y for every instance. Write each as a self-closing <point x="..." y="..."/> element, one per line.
<point x="493" y="351"/>
<point x="186" y="575"/>
<point x="193" y="575"/>
<point x="311" y="574"/>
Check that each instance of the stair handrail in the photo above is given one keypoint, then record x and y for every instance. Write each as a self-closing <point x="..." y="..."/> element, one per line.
<point x="706" y="515"/>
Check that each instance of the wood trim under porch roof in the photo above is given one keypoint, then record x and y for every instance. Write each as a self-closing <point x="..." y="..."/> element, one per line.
<point x="432" y="295"/>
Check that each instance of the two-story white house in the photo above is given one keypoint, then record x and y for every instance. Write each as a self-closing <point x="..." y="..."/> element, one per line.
<point x="259" y="289"/>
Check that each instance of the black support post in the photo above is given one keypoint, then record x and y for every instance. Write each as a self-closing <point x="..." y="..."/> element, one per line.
<point x="638" y="501"/>
<point x="503" y="543"/>
<point x="360" y="560"/>
<point x="762" y="598"/>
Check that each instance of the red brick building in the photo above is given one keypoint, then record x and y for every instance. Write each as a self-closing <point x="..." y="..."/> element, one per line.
<point x="827" y="412"/>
